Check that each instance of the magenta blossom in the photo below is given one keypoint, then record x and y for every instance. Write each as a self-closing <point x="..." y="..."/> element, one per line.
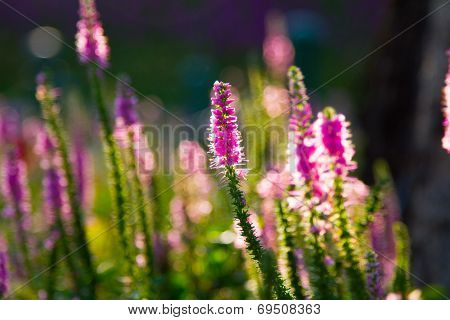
<point x="15" y="190"/>
<point x="55" y="197"/>
<point x="446" y="94"/>
<point x="224" y="136"/>
<point x="91" y="43"/>
<point x="305" y="160"/>
<point x="301" y="114"/>
<point x="125" y="104"/>
<point x="332" y="131"/>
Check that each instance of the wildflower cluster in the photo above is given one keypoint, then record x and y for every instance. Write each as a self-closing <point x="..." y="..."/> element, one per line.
<point x="306" y="229"/>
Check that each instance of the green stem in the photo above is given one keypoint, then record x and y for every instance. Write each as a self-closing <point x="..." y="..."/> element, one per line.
<point x="141" y="207"/>
<point x="402" y="281"/>
<point x="23" y="240"/>
<point x="55" y="127"/>
<point x="322" y="283"/>
<point x="289" y="247"/>
<point x="68" y="254"/>
<point x="52" y="272"/>
<point x="118" y="185"/>
<point x="357" y="283"/>
<point x="262" y="257"/>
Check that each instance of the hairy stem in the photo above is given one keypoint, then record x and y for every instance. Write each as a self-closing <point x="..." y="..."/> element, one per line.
<point x="23" y="240"/>
<point x="118" y="185"/>
<point x="68" y="256"/>
<point x="55" y="127"/>
<point x="262" y="257"/>
<point x="289" y="246"/>
<point x="357" y="283"/>
<point x="322" y="282"/>
<point x="141" y="207"/>
<point x="53" y="258"/>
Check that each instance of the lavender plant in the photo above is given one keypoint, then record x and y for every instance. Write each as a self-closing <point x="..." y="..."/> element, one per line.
<point x="304" y="164"/>
<point x="16" y="194"/>
<point x="446" y="110"/>
<point x="46" y="95"/>
<point x="314" y="226"/>
<point x="57" y="208"/>
<point x="227" y="154"/>
<point x="93" y="51"/>
<point x="128" y="129"/>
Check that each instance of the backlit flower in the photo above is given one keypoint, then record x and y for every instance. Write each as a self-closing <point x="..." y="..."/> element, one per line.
<point x="224" y="136"/>
<point x="446" y="110"/>
<point x="91" y="43"/>
<point x="332" y="131"/>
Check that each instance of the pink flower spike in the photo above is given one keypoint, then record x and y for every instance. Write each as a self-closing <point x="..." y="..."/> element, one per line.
<point x="224" y="135"/>
<point x="332" y="130"/>
<point x="91" y="43"/>
<point x="446" y="110"/>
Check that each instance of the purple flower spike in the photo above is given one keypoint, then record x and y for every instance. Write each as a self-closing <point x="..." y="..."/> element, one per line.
<point x="224" y="136"/>
<point x="373" y="277"/>
<point x="55" y="198"/>
<point x="301" y="114"/>
<point x="125" y="104"/>
<point x="14" y="187"/>
<point x="91" y="43"/>
<point x="4" y="278"/>
<point x="446" y="102"/>
<point x="332" y="130"/>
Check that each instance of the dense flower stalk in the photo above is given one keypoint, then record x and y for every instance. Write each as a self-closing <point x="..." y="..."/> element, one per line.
<point x="227" y="154"/>
<point x="46" y="95"/>
<point x="308" y="173"/>
<point x="127" y="122"/>
<point x="125" y="105"/>
<point x="446" y="110"/>
<point x="224" y="137"/>
<point x="4" y="276"/>
<point x="332" y="131"/>
<point x="305" y="162"/>
<point x="16" y="196"/>
<point x="301" y="114"/>
<point x="373" y="276"/>
<point x="56" y="203"/>
<point x="91" y="43"/>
